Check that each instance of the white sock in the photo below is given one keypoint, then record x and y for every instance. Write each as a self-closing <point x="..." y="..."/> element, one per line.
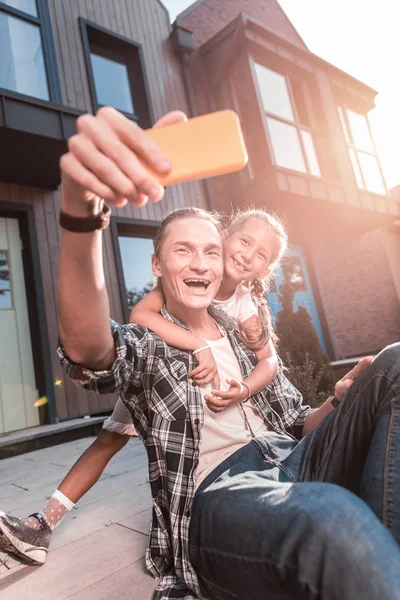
<point x="54" y="511"/>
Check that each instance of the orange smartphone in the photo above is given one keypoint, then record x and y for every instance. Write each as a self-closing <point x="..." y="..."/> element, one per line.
<point x="204" y="146"/>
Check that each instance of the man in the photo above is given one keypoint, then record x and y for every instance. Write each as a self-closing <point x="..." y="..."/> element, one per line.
<point x="268" y="521"/>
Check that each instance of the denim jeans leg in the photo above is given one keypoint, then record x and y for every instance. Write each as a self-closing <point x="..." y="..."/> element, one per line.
<point x="357" y="445"/>
<point x="256" y="534"/>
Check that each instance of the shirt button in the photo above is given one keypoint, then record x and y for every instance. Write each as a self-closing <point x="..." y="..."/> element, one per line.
<point x="194" y="384"/>
<point x="187" y="513"/>
<point x="197" y="421"/>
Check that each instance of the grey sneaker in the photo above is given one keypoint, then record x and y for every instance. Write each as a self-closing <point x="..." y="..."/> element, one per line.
<point x="24" y="543"/>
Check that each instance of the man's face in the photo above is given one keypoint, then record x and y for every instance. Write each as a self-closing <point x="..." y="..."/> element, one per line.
<point x="190" y="264"/>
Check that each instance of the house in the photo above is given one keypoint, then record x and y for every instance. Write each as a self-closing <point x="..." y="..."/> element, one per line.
<point x="312" y="158"/>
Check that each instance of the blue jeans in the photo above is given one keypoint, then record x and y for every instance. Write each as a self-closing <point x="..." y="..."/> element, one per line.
<point x="319" y="518"/>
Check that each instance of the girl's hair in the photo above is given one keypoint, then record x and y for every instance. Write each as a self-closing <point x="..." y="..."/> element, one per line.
<point x="257" y="339"/>
<point x="183" y="213"/>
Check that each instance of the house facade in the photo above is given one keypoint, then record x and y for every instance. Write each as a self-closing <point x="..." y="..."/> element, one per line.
<point x="312" y="159"/>
<point x="61" y="59"/>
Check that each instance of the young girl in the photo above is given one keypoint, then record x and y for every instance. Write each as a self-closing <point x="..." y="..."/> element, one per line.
<point x="253" y="247"/>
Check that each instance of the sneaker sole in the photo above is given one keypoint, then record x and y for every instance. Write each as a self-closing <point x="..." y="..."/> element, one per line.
<point x="23" y="552"/>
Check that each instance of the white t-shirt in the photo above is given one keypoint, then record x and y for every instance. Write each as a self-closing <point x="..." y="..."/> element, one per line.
<point x="239" y="306"/>
<point x="225" y="432"/>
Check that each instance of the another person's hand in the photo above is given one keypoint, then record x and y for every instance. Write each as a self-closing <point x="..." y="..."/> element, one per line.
<point x="102" y="162"/>
<point x="346" y="381"/>
<point x="206" y="371"/>
<point x="220" y="401"/>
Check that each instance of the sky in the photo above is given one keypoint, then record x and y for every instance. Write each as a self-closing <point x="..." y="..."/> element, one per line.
<point x="360" y="37"/>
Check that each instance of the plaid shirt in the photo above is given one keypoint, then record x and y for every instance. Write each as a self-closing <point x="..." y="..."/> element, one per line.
<point x="167" y="411"/>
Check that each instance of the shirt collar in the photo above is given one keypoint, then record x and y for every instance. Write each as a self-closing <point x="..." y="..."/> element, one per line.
<point x="226" y="323"/>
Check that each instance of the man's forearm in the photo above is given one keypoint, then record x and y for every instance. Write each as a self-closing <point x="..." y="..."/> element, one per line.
<point x="83" y="308"/>
<point x="315" y="417"/>
<point x="101" y="163"/>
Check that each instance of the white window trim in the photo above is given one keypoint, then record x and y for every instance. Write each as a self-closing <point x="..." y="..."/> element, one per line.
<point x="296" y="123"/>
<point x="359" y="178"/>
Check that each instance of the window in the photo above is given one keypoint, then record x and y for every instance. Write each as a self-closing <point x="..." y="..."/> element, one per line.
<point x="287" y="111"/>
<point x="364" y="159"/>
<point x="28" y="6"/>
<point x="294" y="274"/>
<point x="27" y="55"/>
<point x="111" y="81"/>
<point x="136" y="253"/>
<point x="116" y="73"/>
<point x="5" y="284"/>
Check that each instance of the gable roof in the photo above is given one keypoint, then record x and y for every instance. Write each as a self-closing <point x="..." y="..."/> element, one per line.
<point x="268" y="12"/>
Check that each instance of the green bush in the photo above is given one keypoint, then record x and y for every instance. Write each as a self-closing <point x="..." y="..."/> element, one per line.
<point x="301" y="351"/>
<point x="306" y="379"/>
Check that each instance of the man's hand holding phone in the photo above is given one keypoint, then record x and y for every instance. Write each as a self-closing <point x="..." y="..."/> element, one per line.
<point x="112" y="159"/>
<point x="104" y="161"/>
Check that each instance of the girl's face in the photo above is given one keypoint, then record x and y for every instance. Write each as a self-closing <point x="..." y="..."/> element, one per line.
<point x="248" y="251"/>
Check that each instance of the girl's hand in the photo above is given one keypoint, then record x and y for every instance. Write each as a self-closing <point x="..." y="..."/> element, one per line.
<point x="207" y="371"/>
<point x="220" y="401"/>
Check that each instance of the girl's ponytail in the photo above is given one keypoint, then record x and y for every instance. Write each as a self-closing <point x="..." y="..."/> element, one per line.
<point x="257" y="338"/>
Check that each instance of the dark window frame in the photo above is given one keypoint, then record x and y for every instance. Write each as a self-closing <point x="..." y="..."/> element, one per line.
<point x="141" y="99"/>
<point x="122" y="226"/>
<point x="43" y="21"/>
<point x="41" y="354"/>
<point x="296" y="123"/>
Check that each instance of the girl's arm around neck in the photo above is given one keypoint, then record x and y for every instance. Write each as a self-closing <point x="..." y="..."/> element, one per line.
<point x="266" y="369"/>
<point x="146" y="313"/>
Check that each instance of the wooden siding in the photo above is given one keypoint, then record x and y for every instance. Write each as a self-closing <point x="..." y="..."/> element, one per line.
<point x="145" y="23"/>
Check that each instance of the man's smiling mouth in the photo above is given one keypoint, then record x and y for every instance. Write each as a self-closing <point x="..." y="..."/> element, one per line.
<point x="197" y="283"/>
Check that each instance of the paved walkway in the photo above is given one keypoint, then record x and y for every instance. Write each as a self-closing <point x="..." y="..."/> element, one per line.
<point x="97" y="552"/>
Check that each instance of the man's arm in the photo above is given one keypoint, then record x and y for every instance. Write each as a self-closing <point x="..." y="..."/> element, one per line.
<point x="315" y="417"/>
<point x="83" y="308"/>
<point x="101" y="164"/>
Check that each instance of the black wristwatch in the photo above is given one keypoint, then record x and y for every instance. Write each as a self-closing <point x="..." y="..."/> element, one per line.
<point x="334" y="401"/>
<point x="86" y="224"/>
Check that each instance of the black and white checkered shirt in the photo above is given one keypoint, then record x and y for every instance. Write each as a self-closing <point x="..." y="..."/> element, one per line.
<point x="167" y="411"/>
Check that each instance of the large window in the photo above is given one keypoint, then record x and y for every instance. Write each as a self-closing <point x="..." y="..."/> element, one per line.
<point x="364" y="159"/>
<point x="27" y="56"/>
<point x="136" y="255"/>
<point x="287" y="111"/>
<point x="116" y="73"/>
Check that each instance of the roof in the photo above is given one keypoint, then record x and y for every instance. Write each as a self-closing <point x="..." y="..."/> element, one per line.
<point x="189" y="9"/>
<point x="269" y="12"/>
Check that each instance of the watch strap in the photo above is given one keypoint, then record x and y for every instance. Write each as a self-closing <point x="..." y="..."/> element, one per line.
<point x="334" y="401"/>
<point x="86" y="224"/>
